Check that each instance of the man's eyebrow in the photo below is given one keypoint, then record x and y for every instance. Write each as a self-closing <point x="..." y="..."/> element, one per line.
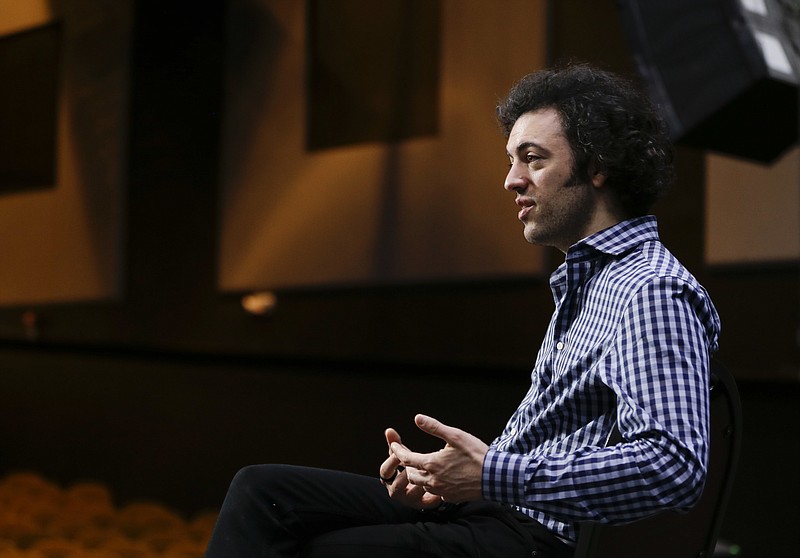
<point x="527" y="145"/>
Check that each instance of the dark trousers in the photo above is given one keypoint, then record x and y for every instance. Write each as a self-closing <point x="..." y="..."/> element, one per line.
<point x="284" y="511"/>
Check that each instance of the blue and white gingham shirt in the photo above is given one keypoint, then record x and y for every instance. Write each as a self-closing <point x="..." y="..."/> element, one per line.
<point x="629" y="342"/>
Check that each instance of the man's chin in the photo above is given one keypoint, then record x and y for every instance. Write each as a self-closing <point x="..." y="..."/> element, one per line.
<point x="532" y="235"/>
<point x="535" y="237"/>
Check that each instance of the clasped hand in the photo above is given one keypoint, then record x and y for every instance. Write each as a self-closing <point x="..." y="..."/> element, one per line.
<point x="424" y="480"/>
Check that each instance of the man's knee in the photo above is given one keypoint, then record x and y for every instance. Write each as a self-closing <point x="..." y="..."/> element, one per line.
<point x="246" y="478"/>
<point x="265" y="483"/>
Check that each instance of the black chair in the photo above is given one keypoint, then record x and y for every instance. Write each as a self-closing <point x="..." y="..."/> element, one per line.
<point x="682" y="535"/>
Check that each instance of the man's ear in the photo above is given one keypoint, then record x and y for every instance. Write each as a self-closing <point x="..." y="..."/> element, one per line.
<point x="597" y="175"/>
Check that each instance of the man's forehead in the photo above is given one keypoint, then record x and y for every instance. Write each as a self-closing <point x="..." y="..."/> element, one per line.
<point x="540" y="127"/>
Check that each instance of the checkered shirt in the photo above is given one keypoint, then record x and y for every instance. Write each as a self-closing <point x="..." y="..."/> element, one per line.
<point x="629" y="342"/>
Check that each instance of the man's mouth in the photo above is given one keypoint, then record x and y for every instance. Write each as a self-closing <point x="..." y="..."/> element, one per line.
<point x="526" y="204"/>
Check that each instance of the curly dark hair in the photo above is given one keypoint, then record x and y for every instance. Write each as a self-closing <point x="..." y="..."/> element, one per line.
<point x="610" y="125"/>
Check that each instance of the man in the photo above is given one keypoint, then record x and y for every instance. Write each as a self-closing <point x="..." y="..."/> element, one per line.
<point x="628" y="344"/>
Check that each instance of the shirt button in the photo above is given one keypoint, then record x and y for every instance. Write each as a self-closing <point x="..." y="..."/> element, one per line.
<point x="514" y="431"/>
<point x="560" y="345"/>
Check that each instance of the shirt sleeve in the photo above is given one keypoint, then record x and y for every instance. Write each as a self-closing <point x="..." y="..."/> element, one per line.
<point x="657" y="364"/>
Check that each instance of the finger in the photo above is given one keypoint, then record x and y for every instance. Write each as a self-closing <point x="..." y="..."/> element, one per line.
<point x="421" y="492"/>
<point x="401" y="482"/>
<point x="388" y="467"/>
<point x="416" y="477"/>
<point x="408" y="457"/>
<point x="431" y="426"/>
<point x="392" y="436"/>
<point x="426" y="498"/>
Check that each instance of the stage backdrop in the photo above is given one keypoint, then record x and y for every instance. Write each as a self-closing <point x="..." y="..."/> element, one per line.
<point x="404" y="184"/>
<point x="61" y="202"/>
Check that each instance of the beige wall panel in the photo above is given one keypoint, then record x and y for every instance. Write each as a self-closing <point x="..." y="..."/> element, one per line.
<point x="753" y="210"/>
<point x="429" y="208"/>
<point x="63" y="243"/>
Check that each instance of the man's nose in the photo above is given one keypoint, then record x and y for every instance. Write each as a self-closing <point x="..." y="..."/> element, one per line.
<point x="515" y="181"/>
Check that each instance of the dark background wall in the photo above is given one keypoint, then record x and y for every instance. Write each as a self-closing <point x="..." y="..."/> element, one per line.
<point x="166" y="392"/>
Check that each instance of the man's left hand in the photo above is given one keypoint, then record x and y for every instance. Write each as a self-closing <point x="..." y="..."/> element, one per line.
<point x="454" y="472"/>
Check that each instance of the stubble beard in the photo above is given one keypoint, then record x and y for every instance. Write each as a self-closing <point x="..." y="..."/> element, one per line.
<point x="565" y="223"/>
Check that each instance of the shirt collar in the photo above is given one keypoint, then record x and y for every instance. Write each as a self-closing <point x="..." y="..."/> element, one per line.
<point x="617" y="239"/>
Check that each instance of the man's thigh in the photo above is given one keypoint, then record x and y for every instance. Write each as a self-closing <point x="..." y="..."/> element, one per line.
<point x="480" y="530"/>
<point x="322" y="499"/>
<point x="273" y="510"/>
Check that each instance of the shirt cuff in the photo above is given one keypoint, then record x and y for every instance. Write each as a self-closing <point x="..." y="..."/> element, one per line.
<point x="504" y="477"/>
